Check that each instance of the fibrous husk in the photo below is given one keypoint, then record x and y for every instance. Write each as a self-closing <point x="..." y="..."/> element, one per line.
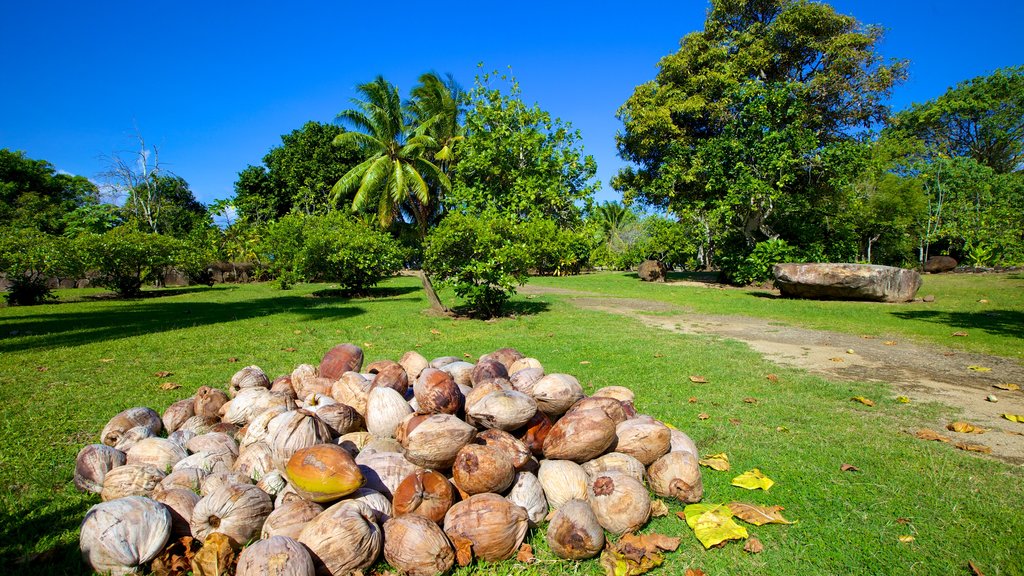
<point x="525" y="364"/>
<point x="380" y="504"/>
<point x="257" y="430"/>
<point x="352" y="389"/>
<point x="620" y="502"/>
<point x="343" y="538"/>
<point x="180" y="503"/>
<point x="190" y="479"/>
<point x="644" y="439"/>
<point x="527" y="492"/>
<point x="283" y="385"/>
<point x="620" y="393"/>
<point x="158" y="452"/>
<point x="680" y="442"/>
<point x="305" y="380"/>
<point x="181" y="437"/>
<point x="293" y="430"/>
<point x="503" y="409"/>
<point x="217" y="480"/>
<point x="128" y="419"/>
<point x="177" y="413"/>
<point x="385" y="408"/>
<point x="574" y="532"/>
<point x="273" y="482"/>
<point x="290" y="518"/>
<point x="676" y="475"/>
<point x="616" y="462"/>
<point x="381" y="445"/>
<point x="443" y="361"/>
<point x="251" y="402"/>
<point x="433" y="441"/>
<point x="384" y="471"/>
<point x="340" y="418"/>
<point x="119" y="536"/>
<point x="255" y="461"/>
<point x="488" y="370"/>
<point x="340" y="359"/>
<point x="555" y="393"/>
<point x="562" y="480"/>
<point x="235" y="510"/>
<point x="580" y="436"/>
<point x="507" y="357"/>
<point x="414" y="363"/>
<point x="211" y="462"/>
<point x="462" y="372"/>
<point x="510" y="446"/>
<point x="479" y="468"/>
<point x="246" y="378"/>
<point x="416" y="546"/>
<point x="524" y="380"/>
<point x="288" y="494"/>
<point x="275" y="556"/>
<point x="133" y="436"/>
<point x="214" y="443"/>
<point x="437" y="393"/>
<point x="198" y="424"/>
<point x="389" y="374"/>
<point x="424" y="493"/>
<point x="610" y="406"/>
<point x="354" y="441"/>
<point x="323" y="473"/>
<point x="535" y="432"/>
<point x="315" y="401"/>
<point x="477" y="392"/>
<point x="92" y="464"/>
<point x="207" y="401"/>
<point x="490" y="525"/>
<point x="130" y="480"/>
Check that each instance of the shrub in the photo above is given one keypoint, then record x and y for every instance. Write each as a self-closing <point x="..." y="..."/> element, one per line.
<point x="197" y="252"/>
<point x="482" y="257"/>
<point x="29" y="258"/>
<point x="125" y="259"/>
<point x="338" y="248"/>
<point x="756" y="267"/>
<point x="556" y="250"/>
<point x="279" y="248"/>
<point x="670" y="242"/>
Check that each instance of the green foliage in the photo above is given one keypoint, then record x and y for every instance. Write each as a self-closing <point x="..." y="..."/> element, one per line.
<point x="482" y="257"/>
<point x="170" y="204"/>
<point x="753" y="125"/>
<point x="197" y="252"/>
<point x="555" y="250"/>
<point x="124" y="259"/>
<point x="672" y="242"/>
<point x="281" y="246"/>
<point x="756" y="267"/>
<point x="297" y="175"/>
<point x="517" y="160"/>
<point x="34" y="195"/>
<point x="28" y="259"/>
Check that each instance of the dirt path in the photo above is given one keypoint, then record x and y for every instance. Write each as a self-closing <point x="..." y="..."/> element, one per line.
<point x="919" y="371"/>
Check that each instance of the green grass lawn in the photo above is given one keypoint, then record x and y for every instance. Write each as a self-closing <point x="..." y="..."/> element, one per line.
<point x="989" y="307"/>
<point x="66" y="368"/>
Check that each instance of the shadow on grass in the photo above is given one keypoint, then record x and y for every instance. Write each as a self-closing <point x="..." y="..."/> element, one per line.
<point x="767" y="295"/>
<point x="703" y="277"/>
<point x="21" y="532"/>
<point x="68" y="327"/>
<point x="512" y="309"/>
<point x="371" y="293"/>
<point x="999" y="322"/>
<point x="157" y="293"/>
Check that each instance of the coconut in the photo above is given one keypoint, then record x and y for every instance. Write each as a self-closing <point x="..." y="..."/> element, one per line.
<point x="180" y="503"/>
<point x="492" y="526"/>
<point x="276" y="556"/>
<point x="352" y="389"/>
<point x="506" y="356"/>
<point x="177" y="413"/>
<point x="562" y="480"/>
<point x="462" y="372"/>
<point x="503" y="409"/>
<point x="93" y="463"/>
<point x="323" y="472"/>
<point x="488" y="370"/>
<point x="381" y="506"/>
<point x="437" y="393"/>
<point x="480" y="468"/>
<point x="118" y="537"/>
<point x="130" y="480"/>
<point x="433" y="441"/>
<point x="525" y="364"/>
<point x="289" y="518"/>
<point x="208" y="401"/>
<point x="610" y="406"/>
<point x="527" y="492"/>
<point x="618" y="462"/>
<point x="190" y="479"/>
<point x="574" y="532"/>
<point x="620" y="502"/>
<point x="246" y="378"/>
<point x="255" y="461"/>
<point x="294" y="430"/>
<point x="385" y="409"/>
<point x="417" y="546"/>
<point x="644" y="439"/>
<point x="413" y="362"/>
<point x="535" y="432"/>
<point x="158" y="452"/>
<point x="235" y="510"/>
<point x="384" y="471"/>
<point x="620" y="393"/>
<point x="677" y="475"/>
<point x="580" y="436"/>
<point x="524" y="380"/>
<point x="512" y="448"/>
<point x="127" y="420"/>
<point x="555" y="393"/>
<point x="390" y="374"/>
<point x="425" y="493"/>
<point x="680" y="442"/>
<point x="344" y="538"/>
<point x="340" y="359"/>
<point x="340" y="418"/>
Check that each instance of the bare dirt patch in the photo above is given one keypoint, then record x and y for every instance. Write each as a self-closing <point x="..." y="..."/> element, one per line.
<point x="922" y="372"/>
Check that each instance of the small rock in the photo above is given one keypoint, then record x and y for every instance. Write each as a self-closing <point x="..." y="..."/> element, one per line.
<point x="928" y="298"/>
<point x="992" y="398"/>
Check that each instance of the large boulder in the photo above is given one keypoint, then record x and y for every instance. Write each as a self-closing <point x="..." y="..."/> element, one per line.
<point x="938" y="264"/>
<point x="847" y="282"/>
<point x="652" y="271"/>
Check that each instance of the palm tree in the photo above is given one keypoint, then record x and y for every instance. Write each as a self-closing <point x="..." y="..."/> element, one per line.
<point x="395" y="170"/>
<point x="612" y="217"/>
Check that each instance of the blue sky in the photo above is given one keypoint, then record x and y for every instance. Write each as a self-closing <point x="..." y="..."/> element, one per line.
<point x="215" y="84"/>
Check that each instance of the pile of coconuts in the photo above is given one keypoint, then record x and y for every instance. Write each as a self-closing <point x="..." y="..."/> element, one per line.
<point x="429" y="463"/>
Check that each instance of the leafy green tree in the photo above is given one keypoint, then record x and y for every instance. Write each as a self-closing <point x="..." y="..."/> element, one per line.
<point x="34" y="195"/>
<point x="125" y="258"/>
<point x="517" y="160"/>
<point x="29" y="259"/>
<point x="756" y="121"/>
<point x="171" y="207"/>
<point x="981" y="118"/>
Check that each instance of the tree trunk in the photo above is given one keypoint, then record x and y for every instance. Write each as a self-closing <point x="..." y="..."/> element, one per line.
<point x="435" y="302"/>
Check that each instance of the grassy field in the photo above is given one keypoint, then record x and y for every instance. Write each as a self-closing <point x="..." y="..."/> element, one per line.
<point x="66" y="368"/>
<point x="990" y="307"/>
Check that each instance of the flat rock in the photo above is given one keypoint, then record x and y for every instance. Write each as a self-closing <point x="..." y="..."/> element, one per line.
<point x="847" y="282"/>
<point x="939" y="264"/>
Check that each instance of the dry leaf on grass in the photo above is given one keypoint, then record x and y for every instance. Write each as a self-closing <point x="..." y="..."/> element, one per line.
<point x="693" y="400"/>
<point x="106" y="360"/>
<point x="889" y="342"/>
<point x="694" y="572"/>
<point x="979" y="368"/>
<point x="837" y="359"/>
<point x="698" y="380"/>
<point x="750" y="400"/>
<point x="712" y="523"/>
<point x="1007" y="386"/>
<point x="163" y="374"/>
<point x="216" y="558"/>
<point x="176" y="558"/>
<point x="983" y="301"/>
<point x="903" y="521"/>
<point x="170" y="386"/>
<point x="735" y="421"/>
<point x="658" y="508"/>
<point x="42" y="368"/>
<point x="959" y="334"/>
<point x="289" y="349"/>
<point x="753" y="546"/>
<point x="849" y="468"/>
<point x="753" y="480"/>
<point x="772" y="378"/>
<point x="634" y="554"/>
<point x="926" y="434"/>
<point x="585" y="362"/>
<point x="965" y="428"/>
<point x="232" y="360"/>
<point x="718" y="462"/>
<point x="781" y="429"/>
<point x="974" y="569"/>
<point x="659" y="355"/>
<point x="463" y="549"/>
<point x="863" y="400"/>
<point x="703" y="416"/>
<point x="758" y="515"/>
<point x="525" y="554"/>
<point x="435" y="331"/>
<point x="973" y="447"/>
<point x="1014" y="417"/>
<point x="907" y="539"/>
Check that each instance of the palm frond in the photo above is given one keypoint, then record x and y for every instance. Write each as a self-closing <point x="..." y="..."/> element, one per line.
<point x="417" y="185"/>
<point x="349" y="181"/>
<point x="367" y="141"/>
<point x="373" y="180"/>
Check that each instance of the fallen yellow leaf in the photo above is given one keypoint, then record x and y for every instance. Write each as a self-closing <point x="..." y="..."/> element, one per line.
<point x="170" y="386"/>
<point x="863" y="400"/>
<point x="964" y="428"/>
<point x="750" y="400"/>
<point x="753" y="480"/>
<point x="712" y="523"/>
<point x="837" y="359"/>
<point x="959" y="334"/>
<point x="903" y="399"/>
<point x="758" y="515"/>
<point x="718" y="462"/>
<point x="698" y="380"/>
<point x="906" y="539"/>
<point x="925" y="434"/>
<point x="979" y="368"/>
<point x="693" y="511"/>
<point x="1010" y="387"/>
<point x="585" y="362"/>
<point x="772" y="378"/>
<point x="658" y="508"/>
<point x="973" y="447"/>
<point x="1014" y="417"/>
<point x="889" y="342"/>
<point x="703" y="416"/>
